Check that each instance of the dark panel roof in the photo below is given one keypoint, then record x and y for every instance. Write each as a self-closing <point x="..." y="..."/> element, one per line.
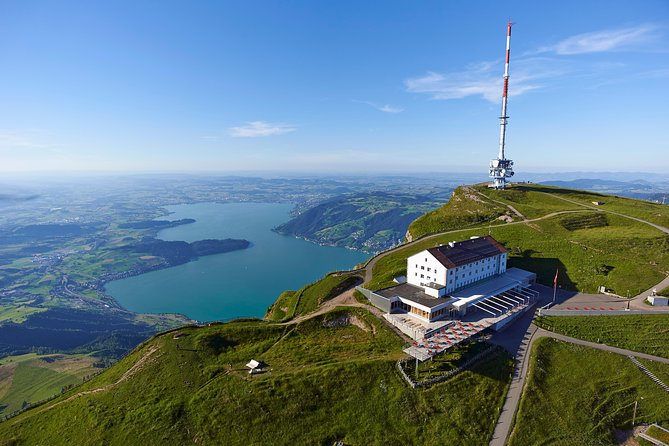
<point x="467" y="251"/>
<point x="413" y="293"/>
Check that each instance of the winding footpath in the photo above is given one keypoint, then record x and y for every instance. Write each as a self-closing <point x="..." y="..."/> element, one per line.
<point x="505" y="422"/>
<point x="368" y="268"/>
<point x="531" y="333"/>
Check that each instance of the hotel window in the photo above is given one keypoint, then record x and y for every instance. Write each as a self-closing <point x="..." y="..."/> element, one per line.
<point x="422" y="276"/>
<point x="429" y="269"/>
<point x="416" y="274"/>
<point x="422" y="267"/>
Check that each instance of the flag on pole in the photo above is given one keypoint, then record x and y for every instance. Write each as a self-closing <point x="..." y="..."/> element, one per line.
<point x="555" y="280"/>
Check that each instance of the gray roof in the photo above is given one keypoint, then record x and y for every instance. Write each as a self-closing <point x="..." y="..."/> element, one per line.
<point x="414" y="294"/>
<point x="467" y="251"/>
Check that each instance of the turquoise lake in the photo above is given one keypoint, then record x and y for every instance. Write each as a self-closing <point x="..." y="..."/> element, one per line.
<point x="233" y="284"/>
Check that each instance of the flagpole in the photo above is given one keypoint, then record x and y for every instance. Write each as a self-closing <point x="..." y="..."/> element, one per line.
<point x="555" y="285"/>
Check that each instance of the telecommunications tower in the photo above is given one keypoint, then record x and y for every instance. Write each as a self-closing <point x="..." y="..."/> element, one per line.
<point x="502" y="168"/>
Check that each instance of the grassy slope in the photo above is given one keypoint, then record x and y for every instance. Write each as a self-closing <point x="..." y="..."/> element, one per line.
<point x="643" y="333"/>
<point x="577" y="395"/>
<point x="32" y="378"/>
<point x="308" y="298"/>
<point x="625" y="255"/>
<point x="465" y="208"/>
<point x="328" y="381"/>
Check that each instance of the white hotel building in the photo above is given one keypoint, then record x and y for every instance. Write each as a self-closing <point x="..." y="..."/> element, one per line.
<point x="447" y="282"/>
<point x="444" y="269"/>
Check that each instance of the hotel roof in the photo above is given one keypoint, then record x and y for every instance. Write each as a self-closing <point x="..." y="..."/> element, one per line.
<point x="467" y="251"/>
<point x="413" y="293"/>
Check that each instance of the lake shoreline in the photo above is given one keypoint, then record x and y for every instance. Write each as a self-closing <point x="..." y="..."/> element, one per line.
<point x="241" y="284"/>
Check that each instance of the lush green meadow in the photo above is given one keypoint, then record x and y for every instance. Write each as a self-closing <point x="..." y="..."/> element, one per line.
<point x="577" y="395"/>
<point x="624" y="255"/>
<point x="465" y="208"/>
<point x="308" y="298"/>
<point x="32" y="378"/>
<point x="330" y="378"/>
<point x="648" y="333"/>
<point x="535" y="200"/>
<point x="530" y="200"/>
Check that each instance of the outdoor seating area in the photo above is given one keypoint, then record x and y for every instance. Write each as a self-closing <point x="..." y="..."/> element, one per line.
<point x="415" y="328"/>
<point x="445" y="339"/>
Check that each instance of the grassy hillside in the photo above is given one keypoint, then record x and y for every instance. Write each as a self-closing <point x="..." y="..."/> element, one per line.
<point x="648" y="333"/>
<point x="307" y="299"/>
<point x="589" y="247"/>
<point x="578" y="395"/>
<point x="330" y="378"/>
<point x="371" y="221"/>
<point x="32" y="378"/>
<point x="466" y="207"/>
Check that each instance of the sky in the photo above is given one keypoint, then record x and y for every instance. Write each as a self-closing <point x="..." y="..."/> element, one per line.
<point x="332" y="86"/>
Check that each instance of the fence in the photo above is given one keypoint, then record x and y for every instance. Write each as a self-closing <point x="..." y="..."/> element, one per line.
<point x="446" y="375"/>
<point x="543" y="312"/>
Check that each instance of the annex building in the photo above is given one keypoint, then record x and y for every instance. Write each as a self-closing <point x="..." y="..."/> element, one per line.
<point x="466" y="281"/>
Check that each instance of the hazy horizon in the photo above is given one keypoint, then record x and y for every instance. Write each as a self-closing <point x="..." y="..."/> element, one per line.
<point x="332" y="87"/>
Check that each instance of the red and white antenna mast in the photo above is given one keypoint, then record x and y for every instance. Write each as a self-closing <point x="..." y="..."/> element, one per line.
<point x="502" y="168"/>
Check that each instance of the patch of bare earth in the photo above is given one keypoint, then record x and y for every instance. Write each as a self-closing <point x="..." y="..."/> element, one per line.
<point x="73" y="365"/>
<point x="346" y="320"/>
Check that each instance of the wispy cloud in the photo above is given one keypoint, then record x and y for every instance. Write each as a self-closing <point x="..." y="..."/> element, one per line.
<point x="13" y="139"/>
<point x="27" y="140"/>
<point x="387" y="108"/>
<point x="478" y="80"/>
<point x="606" y="40"/>
<point x="533" y="69"/>
<point x="256" y="129"/>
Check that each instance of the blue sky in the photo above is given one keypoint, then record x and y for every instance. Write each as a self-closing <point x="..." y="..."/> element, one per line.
<point x="332" y="86"/>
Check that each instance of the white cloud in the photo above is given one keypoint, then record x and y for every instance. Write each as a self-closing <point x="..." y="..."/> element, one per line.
<point x="21" y="139"/>
<point x="256" y="129"/>
<point x="607" y="40"/>
<point x="484" y="78"/>
<point x="387" y="108"/>
<point x="28" y="143"/>
<point x="479" y="80"/>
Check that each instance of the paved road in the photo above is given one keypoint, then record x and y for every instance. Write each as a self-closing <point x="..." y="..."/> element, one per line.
<point x="531" y="334"/>
<point x="518" y="340"/>
<point x="637" y="302"/>
<point x="519" y="337"/>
